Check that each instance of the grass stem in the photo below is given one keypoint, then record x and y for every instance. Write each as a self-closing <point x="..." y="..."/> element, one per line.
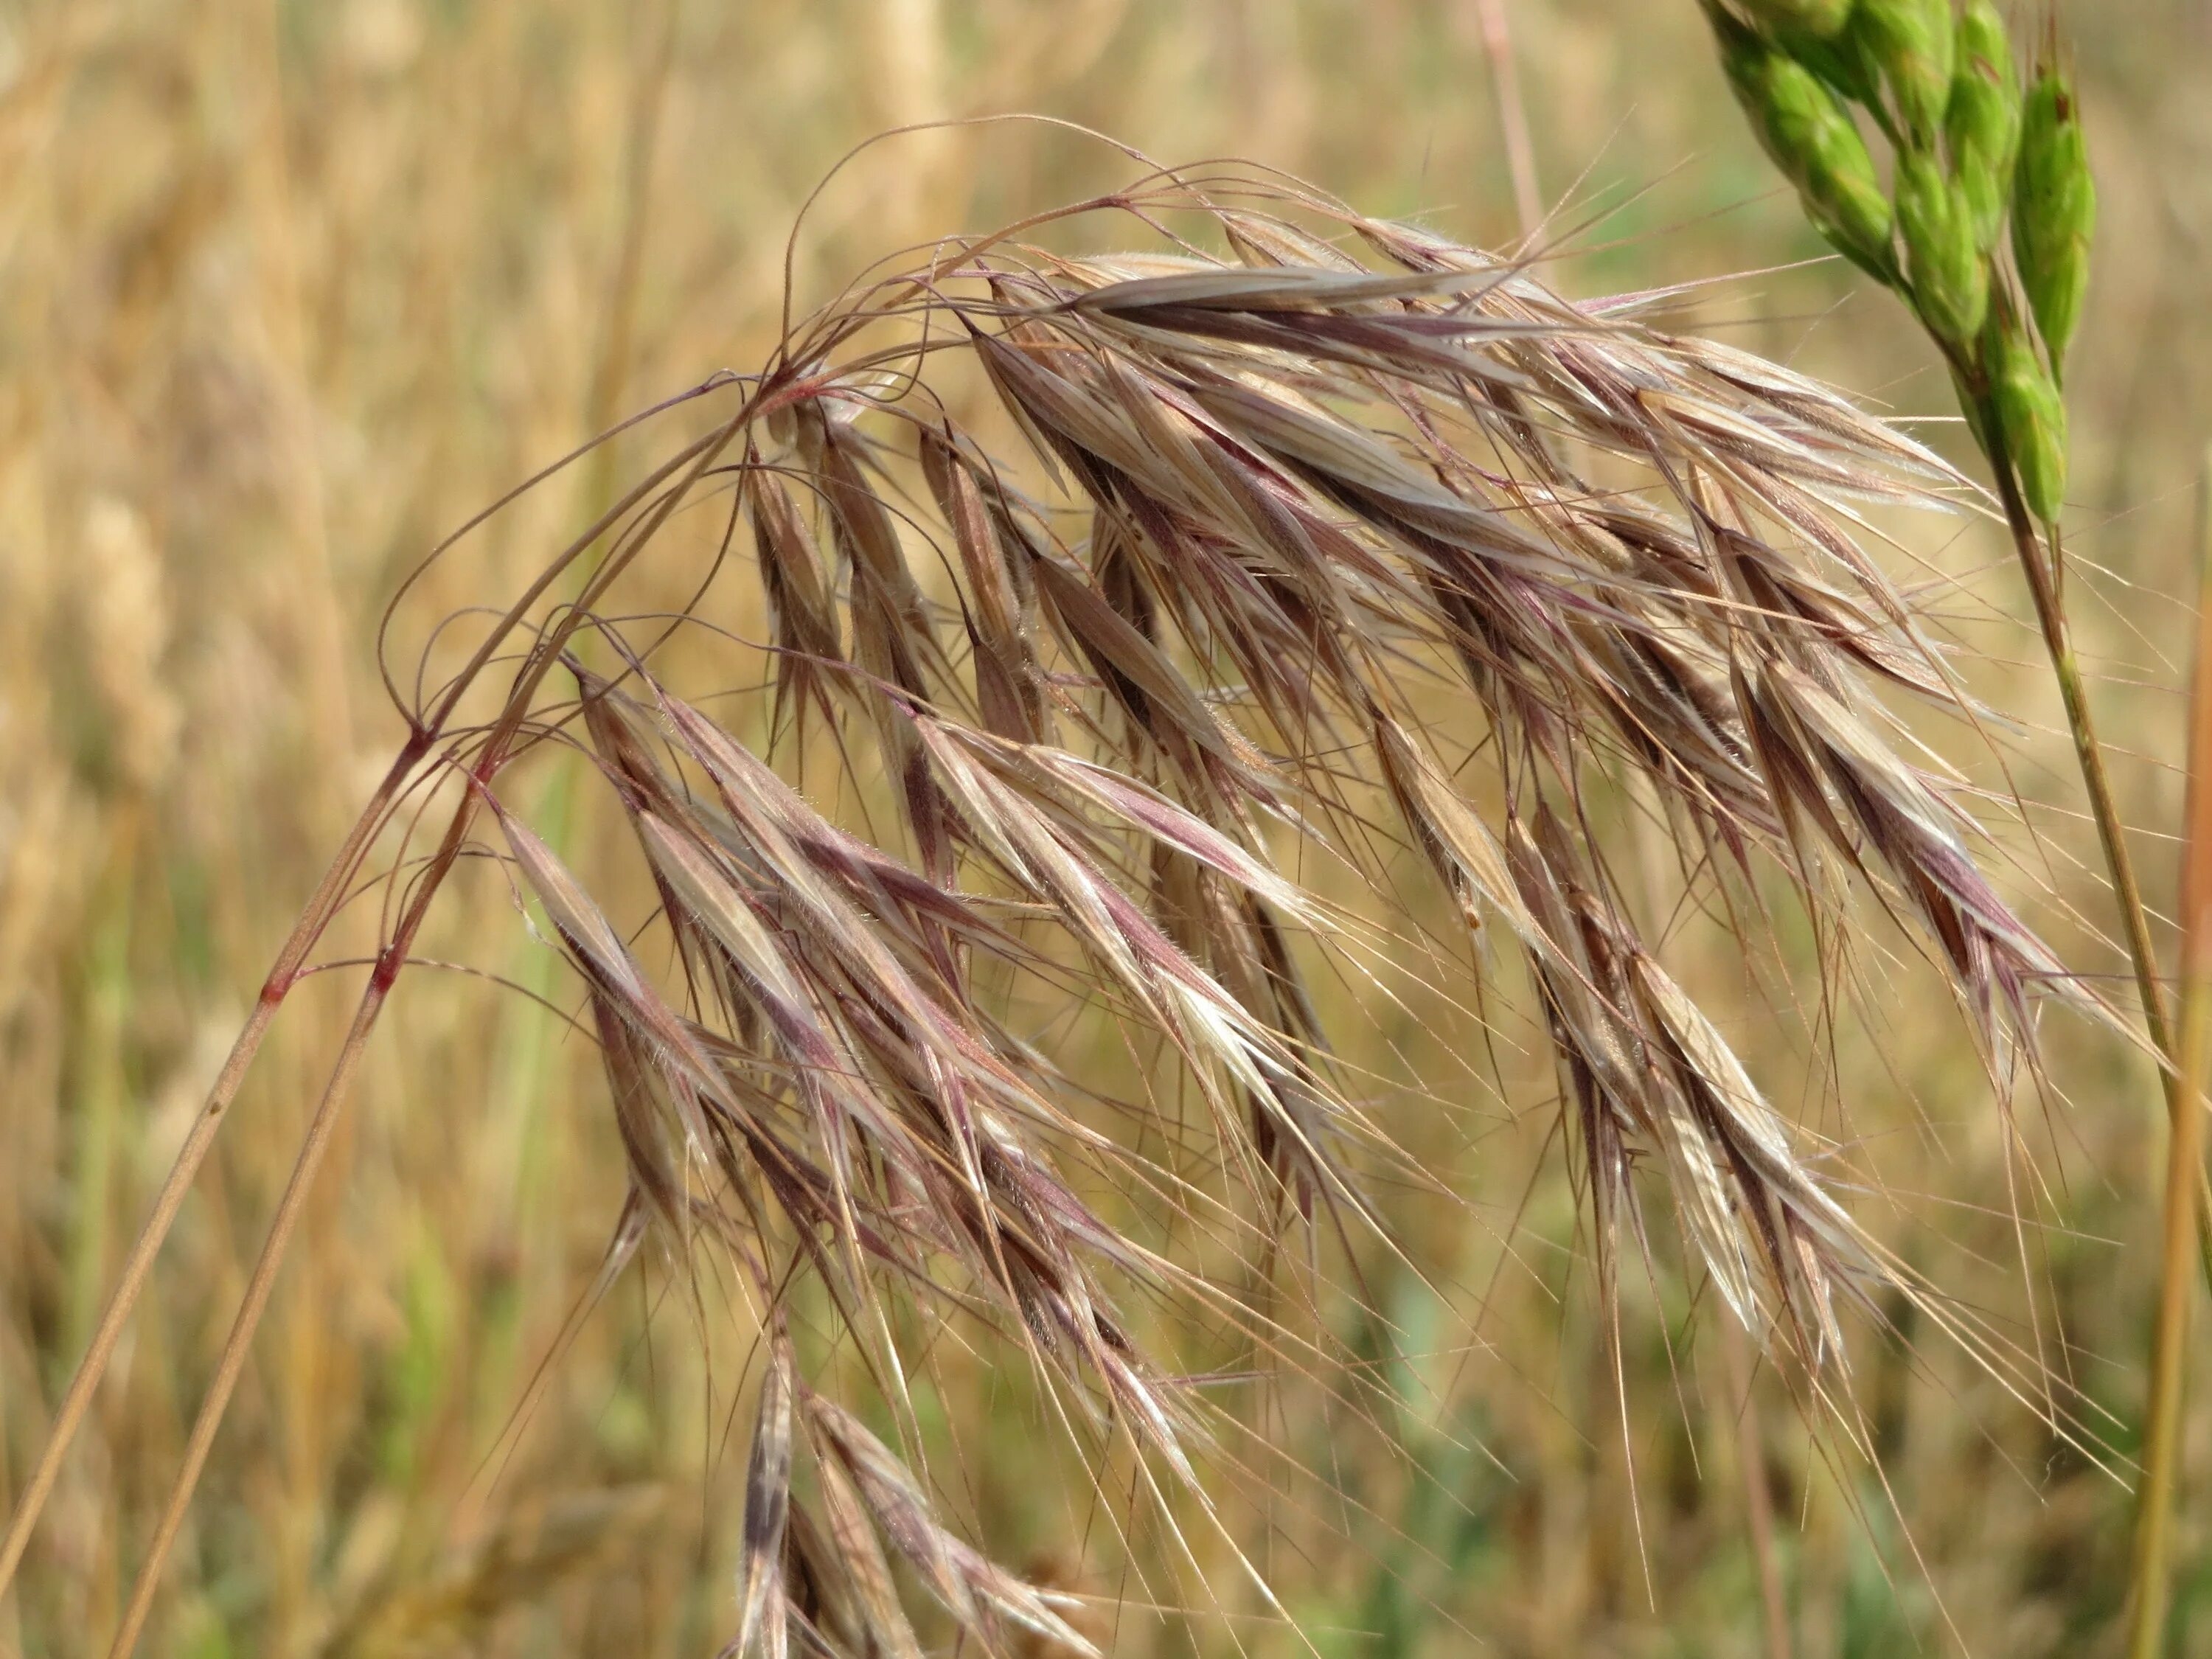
<point x="240" y="1342"/>
<point x="2148" y="1589"/>
<point x="185" y="1167"/>
<point x="692" y="460"/>
<point x="1757" y="1500"/>
<point x="2040" y="566"/>
<point x="498" y="748"/>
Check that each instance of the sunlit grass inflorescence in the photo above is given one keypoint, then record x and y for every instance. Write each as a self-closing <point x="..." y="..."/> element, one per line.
<point x="1231" y="563"/>
<point x="1965" y="158"/>
<point x="1253" y="509"/>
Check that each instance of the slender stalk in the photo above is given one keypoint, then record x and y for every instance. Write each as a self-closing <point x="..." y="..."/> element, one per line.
<point x="2039" y="567"/>
<point x="2058" y="641"/>
<point x="185" y="1166"/>
<point x="497" y="748"/>
<point x="1758" y="1501"/>
<point x="603" y="401"/>
<point x="2151" y="1579"/>
<point x="1512" y="116"/>
<point x="314" y="918"/>
<point x="240" y="1342"/>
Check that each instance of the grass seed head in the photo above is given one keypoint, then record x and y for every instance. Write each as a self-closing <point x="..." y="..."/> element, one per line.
<point x="1943" y="255"/>
<point x="1255" y="493"/>
<point x="1814" y="140"/>
<point x="2054" y="215"/>
<point x="1982" y="125"/>
<point x="1911" y="41"/>
<point x="2034" y="418"/>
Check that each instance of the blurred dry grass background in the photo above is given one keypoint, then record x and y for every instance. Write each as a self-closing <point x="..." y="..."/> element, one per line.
<point x="289" y="288"/>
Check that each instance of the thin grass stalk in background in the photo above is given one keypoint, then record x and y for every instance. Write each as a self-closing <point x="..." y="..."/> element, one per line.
<point x="1758" y="1498"/>
<point x="239" y="1344"/>
<point x="1512" y="116"/>
<point x="130" y="1282"/>
<point x="2149" y="1588"/>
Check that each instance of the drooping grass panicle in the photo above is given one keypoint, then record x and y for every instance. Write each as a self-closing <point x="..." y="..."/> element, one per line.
<point x="1113" y="584"/>
<point x="1256" y="492"/>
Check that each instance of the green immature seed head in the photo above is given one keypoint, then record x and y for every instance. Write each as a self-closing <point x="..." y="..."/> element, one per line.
<point x="1949" y="273"/>
<point x="1818" y="18"/>
<point x="1982" y="125"/>
<point x="2034" y="417"/>
<point x="1811" y="139"/>
<point x="1840" y="59"/>
<point x="2054" y="210"/>
<point x="1911" y="41"/>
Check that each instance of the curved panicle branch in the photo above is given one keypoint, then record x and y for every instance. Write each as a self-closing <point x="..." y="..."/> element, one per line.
<point x="1118" y="586"/>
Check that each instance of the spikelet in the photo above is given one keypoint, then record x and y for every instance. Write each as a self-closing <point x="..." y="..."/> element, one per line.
<point x="2034" y="418"/>
<point x="1943" y="253"/>
<point x="1981" y="125"/>
<point x="1812" y="139"/>
<point x="2054" y="213"/>
<point x="1912" y="42"/>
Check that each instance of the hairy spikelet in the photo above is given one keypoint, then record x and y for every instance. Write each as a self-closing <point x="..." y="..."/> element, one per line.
<point x="1098" y="662"/>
